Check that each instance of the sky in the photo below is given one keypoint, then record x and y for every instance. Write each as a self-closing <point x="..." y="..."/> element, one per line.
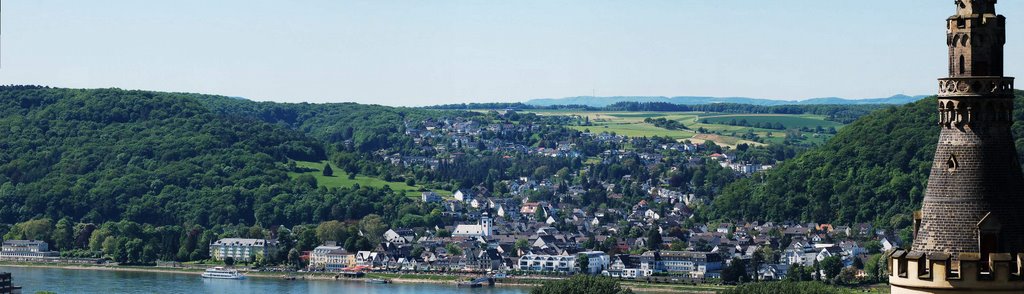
<point x="415" y="53"/>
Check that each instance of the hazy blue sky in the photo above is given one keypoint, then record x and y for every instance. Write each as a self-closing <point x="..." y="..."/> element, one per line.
<point x="430" y="52"/>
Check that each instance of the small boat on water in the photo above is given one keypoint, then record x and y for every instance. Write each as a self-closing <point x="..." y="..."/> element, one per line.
<point x="222" y="273"/>
<point x="378" y="281"/>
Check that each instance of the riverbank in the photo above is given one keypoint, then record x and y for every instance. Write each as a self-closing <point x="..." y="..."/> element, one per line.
<point x="398" y="278"/>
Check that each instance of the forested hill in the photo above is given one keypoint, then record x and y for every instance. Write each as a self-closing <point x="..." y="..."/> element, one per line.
<point x="159" y="158"/>
<point x="367" y="127"/>
<point x="874" y="170"/>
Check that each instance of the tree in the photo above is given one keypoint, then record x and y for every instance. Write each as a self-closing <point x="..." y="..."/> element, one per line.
<point x="858" y="263"/>
<point x="583" y="263"/>
<point x="735" y="272"/>
<point x="83" y="232"/>
<point x="442" y="233"/>
<point x="64" y="234"/>
<point x="875" y="267"/>
<point x="582" y="284"/>
<point x="453" y="249"/>
<point x="328" y="171"/>
<point x="373" y="228"/>
<point x="417" y="251"/>
<point x="37" y="229"/>
<point x="831" y="265"/>
<point x="332" y="231"/>
<point x="847" y="276"/>
<point x="798" y="272"/>
<point x="229" y="261"/>
<point x="306" y="180"/>
<point x="306" y="237"/>
<point x="523" y="244"/>
<point x="872" y="247"/>
<point x="294" y="258"/>
<point x="654" y="239"/>
<point x="756" y="262"/>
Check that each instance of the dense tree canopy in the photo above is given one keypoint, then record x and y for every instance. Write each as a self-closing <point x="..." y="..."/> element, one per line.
<point x="874" y="170"/>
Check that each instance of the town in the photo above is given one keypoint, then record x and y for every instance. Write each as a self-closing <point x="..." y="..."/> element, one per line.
<point x="558" y="223"/>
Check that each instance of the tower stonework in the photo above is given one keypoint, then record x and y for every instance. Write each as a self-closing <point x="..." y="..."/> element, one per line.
<point x="969" y="234"/>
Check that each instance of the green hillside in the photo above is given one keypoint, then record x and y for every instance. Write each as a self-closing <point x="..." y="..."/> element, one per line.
<point x="159" y="158"/>
<point x="341" y="179"/>
<point x="874" y="170"/>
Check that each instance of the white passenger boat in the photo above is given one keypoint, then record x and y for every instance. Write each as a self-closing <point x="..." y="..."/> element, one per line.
<point x="222" y="273"/>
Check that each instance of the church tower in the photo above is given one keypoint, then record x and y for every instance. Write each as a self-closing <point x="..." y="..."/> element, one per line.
<point x="969" y="234"/>
<point x="485" y="224"/>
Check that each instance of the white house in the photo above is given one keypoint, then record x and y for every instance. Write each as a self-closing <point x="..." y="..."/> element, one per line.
<point x="399" y="236"/>
<point x="366" y="258"/>
<point x="651" y="215"/>
<point x="463" y="196"/>
<point x="597" y="262"/>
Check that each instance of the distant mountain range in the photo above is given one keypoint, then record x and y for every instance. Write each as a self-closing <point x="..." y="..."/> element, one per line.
<point x="698" y="100"/>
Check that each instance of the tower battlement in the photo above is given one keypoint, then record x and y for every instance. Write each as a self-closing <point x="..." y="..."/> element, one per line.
<point x="968" y="7"/>
<point x="914" y="272"/>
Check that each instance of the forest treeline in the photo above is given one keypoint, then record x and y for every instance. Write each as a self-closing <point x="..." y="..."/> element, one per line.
<point x="874" y="170"/>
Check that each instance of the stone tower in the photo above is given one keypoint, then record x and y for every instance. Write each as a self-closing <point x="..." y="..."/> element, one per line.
<point x="969" y="235"/>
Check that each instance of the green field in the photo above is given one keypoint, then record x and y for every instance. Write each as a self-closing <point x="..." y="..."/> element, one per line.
<point x="340" y="179"/>
<point x="632" y="124"/>
<point x="789" y="121"/>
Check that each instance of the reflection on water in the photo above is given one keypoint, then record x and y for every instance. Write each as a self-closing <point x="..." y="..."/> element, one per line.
<point x="107" y="282"/>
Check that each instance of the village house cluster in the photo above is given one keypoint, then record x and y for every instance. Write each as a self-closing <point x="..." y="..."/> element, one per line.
<point x="534" y="247"/>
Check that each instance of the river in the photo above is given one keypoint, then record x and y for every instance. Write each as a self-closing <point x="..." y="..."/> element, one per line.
<point x="109" y="282"/>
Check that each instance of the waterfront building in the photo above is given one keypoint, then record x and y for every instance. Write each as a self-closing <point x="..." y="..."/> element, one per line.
<point x="330" y="257"/>
<point x="695" y="265"/>
<point x="564" y="263"/>
<point x="969" y="234"/>
<point x="27" y="250"/>
<point x="242" y="250"/>
<point x="627" y="266"/>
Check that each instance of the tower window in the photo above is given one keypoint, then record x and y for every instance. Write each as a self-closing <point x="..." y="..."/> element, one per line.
<point x="952" y="164"/>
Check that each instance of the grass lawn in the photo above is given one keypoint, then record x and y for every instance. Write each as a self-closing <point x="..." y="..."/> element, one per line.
<point x="631" y="123"/>
<point x="340" y="179"/>
<point x="789" y="121"/>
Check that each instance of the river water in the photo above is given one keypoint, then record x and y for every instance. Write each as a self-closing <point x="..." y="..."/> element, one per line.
<point x="108" y="282"/>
